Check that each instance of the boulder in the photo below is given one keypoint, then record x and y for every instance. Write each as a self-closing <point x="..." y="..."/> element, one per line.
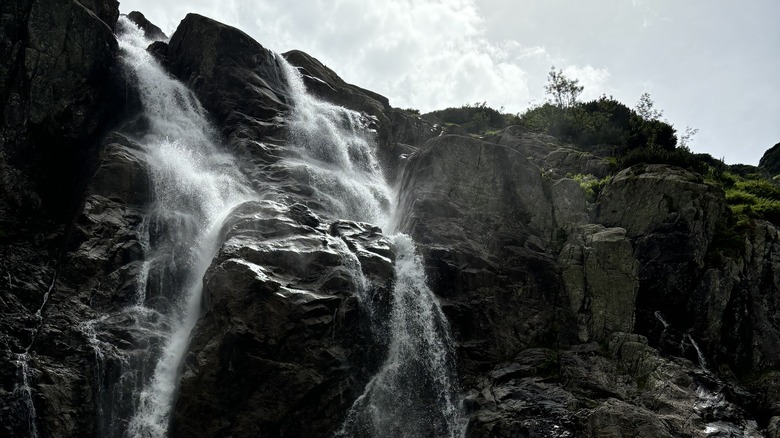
<point x="288" y="300"/>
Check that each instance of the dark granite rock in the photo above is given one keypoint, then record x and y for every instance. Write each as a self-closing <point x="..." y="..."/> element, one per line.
<point x="282" y="300"/>
<point x="151" y="31"/>
<point x="770" y="161"/>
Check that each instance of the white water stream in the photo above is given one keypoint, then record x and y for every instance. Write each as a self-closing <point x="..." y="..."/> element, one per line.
<point x="412" y="395"/>
<point x="194" y="187"/>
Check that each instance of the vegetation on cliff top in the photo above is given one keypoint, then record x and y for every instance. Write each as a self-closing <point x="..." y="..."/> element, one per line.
<point x="626" y="136"/>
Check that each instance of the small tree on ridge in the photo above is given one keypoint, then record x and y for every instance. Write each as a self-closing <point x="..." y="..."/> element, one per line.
<point x="562" y="90"/>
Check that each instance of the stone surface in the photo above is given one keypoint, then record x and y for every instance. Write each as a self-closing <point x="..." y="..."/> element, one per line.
<point x="282" y="300"/>
<point x="629" y="391"/>
<point x="58" y="86"/>
<point x="773" y="431"/>
<point x="151" y="31"/>
<point x="770" y="161"/>
<point x="475" y="194"/>
<point x="236" y="79"/>
<point x="480" y="215"/>
<point x="600" y="277"/>
<point x="670" y="214"/>
<point x="570" y="208"/>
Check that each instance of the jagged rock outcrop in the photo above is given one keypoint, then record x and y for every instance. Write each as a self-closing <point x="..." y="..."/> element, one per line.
<point x="282" y="300"/>
<point x="235" y="78"/>
<point x="151" y="31"/>
<point x="770" y="161"/>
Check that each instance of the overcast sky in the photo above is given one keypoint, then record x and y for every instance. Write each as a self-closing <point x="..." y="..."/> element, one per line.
<point x="710" y="64"/>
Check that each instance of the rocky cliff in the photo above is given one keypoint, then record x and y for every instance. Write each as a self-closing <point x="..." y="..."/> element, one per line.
<point x="638" y="312"/>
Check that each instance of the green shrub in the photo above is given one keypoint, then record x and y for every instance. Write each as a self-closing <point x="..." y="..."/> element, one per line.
<point x="767" y="209"/>
<point x="590" y="185"/>
<point x="655" y="155"/>
<point x="475" y="118"/>
<point x="737" y="196"/>
<point x="760" y="187"/>
<point x="752" y="198"/>
<point x="603" y="121"/>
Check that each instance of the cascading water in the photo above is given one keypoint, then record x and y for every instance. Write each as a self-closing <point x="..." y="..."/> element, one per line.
<point x="711" y="404"/>
<point x="194" y="188"/>
<point x="24" y="393"/>
<point x="23" y="390"/>
<point x="337" y="155"/>
<point x="412" y="395"/>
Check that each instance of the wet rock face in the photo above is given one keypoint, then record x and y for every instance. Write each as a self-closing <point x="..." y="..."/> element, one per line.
<point x="236" y="79"/>
<point x="627" y="389"/>
<point x="283" y="299"/>
<point x="58" y="89"/>
<point x="670" y="215"/>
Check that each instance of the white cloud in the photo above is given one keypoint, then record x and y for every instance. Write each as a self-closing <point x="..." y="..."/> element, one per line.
<point x="594" y="80"/>
<point x="427" y="54"/>
<point x="431" y="54"/>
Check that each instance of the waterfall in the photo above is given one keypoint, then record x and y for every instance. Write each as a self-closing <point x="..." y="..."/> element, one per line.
<point x="412" y="395"/>
<point x="194" y="187"/>
<point x="699" y="354"/>
<point x="23" y="392"/>
<point x="336" y="153"/>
